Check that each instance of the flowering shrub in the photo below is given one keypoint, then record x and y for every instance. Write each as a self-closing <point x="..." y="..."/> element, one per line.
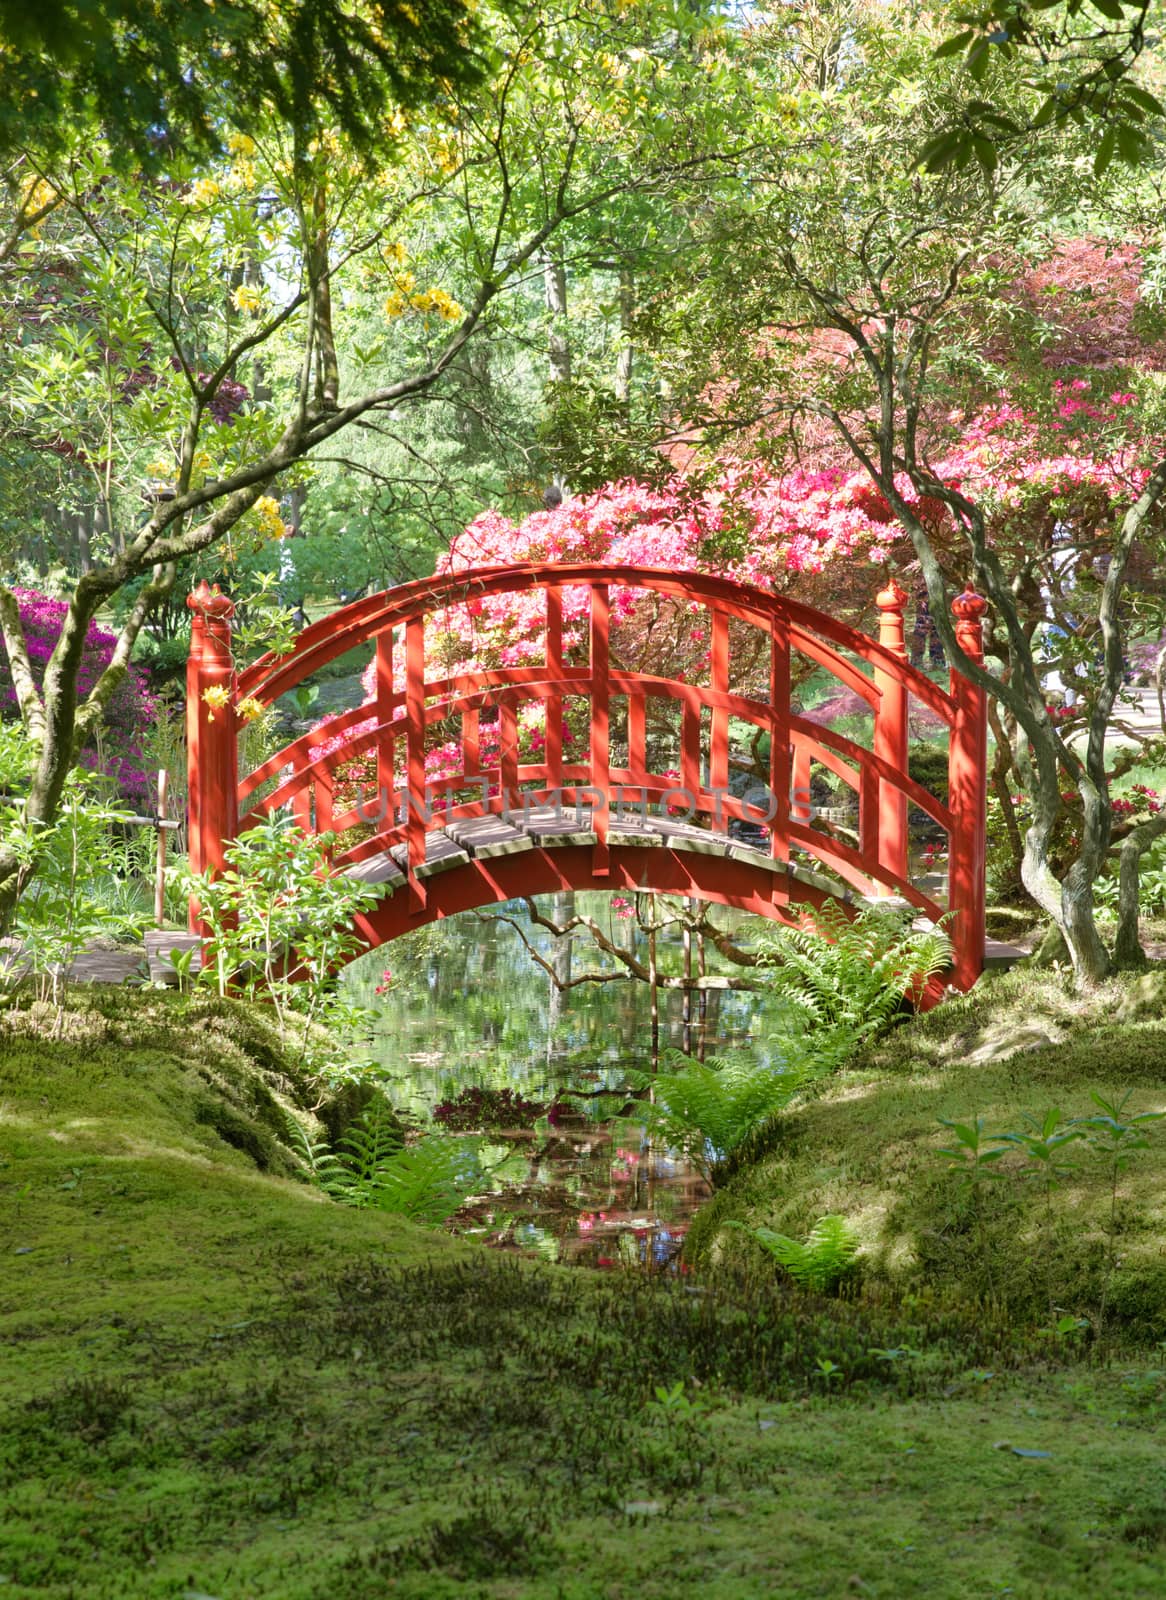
<point x="487" y="1108"/>
<point x="118" y="753"/>
<point x="1057" y="468"/>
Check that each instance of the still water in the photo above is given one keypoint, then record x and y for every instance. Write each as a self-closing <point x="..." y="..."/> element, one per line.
<point x="466" y="1007"/>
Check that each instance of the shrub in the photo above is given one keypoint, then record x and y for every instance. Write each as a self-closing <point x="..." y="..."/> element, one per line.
<point x="117" y="751"/>
<point x="487" y="1108"/>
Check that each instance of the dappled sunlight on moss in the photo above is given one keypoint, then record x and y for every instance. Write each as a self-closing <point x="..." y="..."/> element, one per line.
<point x="885" y="1172"/>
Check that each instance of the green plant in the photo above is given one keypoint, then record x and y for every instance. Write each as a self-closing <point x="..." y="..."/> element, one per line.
<point x="841" y="979"/>
<point x="705" y="1109"/>
<point x="1114" y="1138"/>
<point x="374" y="1168"/>
<point x="972" y="1160"/>
<point x="280" y="924"/>
<point x="822" y="1261"/>
<point x="78" y="879"/>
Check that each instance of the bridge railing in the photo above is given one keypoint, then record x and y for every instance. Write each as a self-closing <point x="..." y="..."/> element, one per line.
<point x="373" y="770"/>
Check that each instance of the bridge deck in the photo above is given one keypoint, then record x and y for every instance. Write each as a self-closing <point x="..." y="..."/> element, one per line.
<point x="549" y="827"/>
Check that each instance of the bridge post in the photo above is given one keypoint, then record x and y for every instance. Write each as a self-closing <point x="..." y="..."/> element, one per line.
<point x="211" y="736"/>
<point x="415" y="797"/>
<point x="967" y="778"/>
<point x="600" y="725"/>
<point x="890" y="734"/>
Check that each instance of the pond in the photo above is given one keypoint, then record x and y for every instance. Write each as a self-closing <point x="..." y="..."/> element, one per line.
<point x="468" y="1009"/>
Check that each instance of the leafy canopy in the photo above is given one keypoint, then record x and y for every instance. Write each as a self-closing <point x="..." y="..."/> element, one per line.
<point x="158" y="73"/>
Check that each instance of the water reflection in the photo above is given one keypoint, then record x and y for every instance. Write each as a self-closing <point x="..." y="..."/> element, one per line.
<point x="467" y="1008"/>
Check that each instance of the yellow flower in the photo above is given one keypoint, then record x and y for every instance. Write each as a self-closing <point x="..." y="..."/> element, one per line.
<point x="437" y="300"/>
<point x="446" y="158"/>
<point x="215" y="699"/>
<point x="246" y="297"/>
<point x="241" y="177"/>
<point x="239" y="144"/>
<point x="202" y="192"/>
<point x="39" y="194"/>
<point x="396" y="304"/>
<point x="249" y="708"/>
<point x="271" y="524"/>
<point x="395" y="254"/>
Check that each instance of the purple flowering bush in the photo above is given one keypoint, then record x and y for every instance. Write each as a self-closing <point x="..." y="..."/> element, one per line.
<point x="129" y="712"/>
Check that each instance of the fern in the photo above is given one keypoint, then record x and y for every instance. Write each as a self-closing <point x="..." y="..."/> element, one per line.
<point x="841" y="979"/>
<point x="315" y="1154"/>
<point x="426" y="1181"/>
<point x="364" y="1149"/>
<point x="705" y="1109"/>
<point x="374" y="1168"/>
<point x="822" y="1261"/>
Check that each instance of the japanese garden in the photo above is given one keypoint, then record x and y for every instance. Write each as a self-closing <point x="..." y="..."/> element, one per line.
<point x="582" y="799"/>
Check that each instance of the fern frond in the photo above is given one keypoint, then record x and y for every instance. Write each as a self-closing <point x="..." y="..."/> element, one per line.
<point x="315" y="1154"/>
<point x="822" y="1261"/>
<point x="370" y="1142"/>
<point x="426" y="1181"/>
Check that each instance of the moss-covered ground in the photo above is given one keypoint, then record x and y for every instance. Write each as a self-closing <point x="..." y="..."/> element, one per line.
<point x="868" y="1148"/>
<point x="215" y="1383"/>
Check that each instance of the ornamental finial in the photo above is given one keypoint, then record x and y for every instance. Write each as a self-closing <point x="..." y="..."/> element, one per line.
<point x="210" y="601"/>
<point x="892" y="598"/>
<point x="969" y="606"/>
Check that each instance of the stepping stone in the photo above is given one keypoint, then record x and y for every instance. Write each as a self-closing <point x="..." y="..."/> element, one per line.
<point x="161" y="944"/>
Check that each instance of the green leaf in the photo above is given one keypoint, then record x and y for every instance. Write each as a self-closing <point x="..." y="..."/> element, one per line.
<point x="1105" y="151"/>
<point x="978" y="58"/>
<point x="954" y="46"/>
<point x="1143" y="98"/>
<point x="1132" y="146"/>
<point x="1109" y="8"/>
<point x="986" y="153"/>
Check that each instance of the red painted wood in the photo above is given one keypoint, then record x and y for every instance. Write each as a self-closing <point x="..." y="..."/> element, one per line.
<point x="813" y="633"/>
<point x="967" y="777"/>
<point x="508" y="754"/>
<point x="471" y="743"/>
<point x="884" y="787"/>
<point x="719" y="737"/>
<point x="637" y="738"/>
<point x="800" y="806"/>
<point x="554" y="711"/>
<point x="211" y="737"/>
<point x="415" y="756"/>
<point x="890" y="730"/>
<point x="780" y="754"/>
<point x="385" y="708"/>
<point x="600" y="717"/>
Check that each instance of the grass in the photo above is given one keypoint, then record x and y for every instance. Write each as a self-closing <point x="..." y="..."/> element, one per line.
<point x="217" y="1384"/>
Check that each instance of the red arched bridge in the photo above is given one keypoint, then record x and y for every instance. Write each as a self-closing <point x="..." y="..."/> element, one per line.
<point x="600" y="810"/>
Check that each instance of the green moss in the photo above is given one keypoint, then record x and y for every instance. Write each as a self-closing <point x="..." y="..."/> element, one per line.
<point x="214" y="1382"/>
<point x="867" y="1148"/>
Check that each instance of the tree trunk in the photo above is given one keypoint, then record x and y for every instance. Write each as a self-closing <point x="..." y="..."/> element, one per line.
<point x="327" y="362"/>
<point x="1127" y="946"/>
<point x="558" y="340"/>
<point x="623" y="361"/>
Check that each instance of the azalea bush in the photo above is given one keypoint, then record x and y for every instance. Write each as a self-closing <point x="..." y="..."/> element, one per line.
<point x="778" y="532"/>
<point x="1064" y="460"/>
<point x="118" y="750"/>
